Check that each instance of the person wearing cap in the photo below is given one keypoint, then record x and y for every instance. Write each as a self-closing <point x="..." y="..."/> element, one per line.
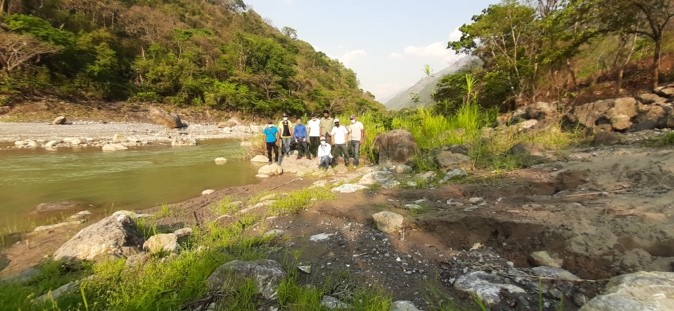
<point x="271" y="136"/>
<point x="338" y="135"/>
<point x="324" y="154"/>
<point x="286" y="132"/>
<point x="300" y="136"/>
<point x="357" y="131"/>
<point x="314" y="126"/>
<point x="326" y="124"/>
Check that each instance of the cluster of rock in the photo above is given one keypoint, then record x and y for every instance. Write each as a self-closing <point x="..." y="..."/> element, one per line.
<point x="626" y="114"/>
<point x="500" y="285"/>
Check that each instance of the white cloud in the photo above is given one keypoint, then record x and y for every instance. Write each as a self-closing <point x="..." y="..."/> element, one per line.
<point x="395" y="55"/>
<point x="455" y="35"/>
<point x="350" y="56"/>
<point x="435" y="49"/>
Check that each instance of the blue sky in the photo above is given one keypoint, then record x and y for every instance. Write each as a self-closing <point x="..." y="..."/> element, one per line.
<point x="387" y="43"/>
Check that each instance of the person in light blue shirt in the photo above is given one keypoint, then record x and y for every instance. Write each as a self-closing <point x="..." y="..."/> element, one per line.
<point x="301" y="139"/>
<point x="271" y="136"/>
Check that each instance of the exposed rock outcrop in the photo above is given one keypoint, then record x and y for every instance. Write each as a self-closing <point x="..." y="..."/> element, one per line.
<point x="395" y="147"/>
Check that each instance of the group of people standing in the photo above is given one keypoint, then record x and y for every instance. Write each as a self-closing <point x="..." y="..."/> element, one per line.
<point x="325" y="139"/>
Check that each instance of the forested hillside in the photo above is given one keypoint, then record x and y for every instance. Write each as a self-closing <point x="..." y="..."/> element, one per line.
<point x="215" y="53"/>
<point x="561" y="50"/>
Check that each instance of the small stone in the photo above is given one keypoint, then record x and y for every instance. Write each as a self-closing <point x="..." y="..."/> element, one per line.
<point x="220" y="161"/>
<point x="207" y="192"/>
<point x="320" y="237"/>
<point x="542" y="258"/>
<point x="305" y="269"/>
<point x="333" y="303"/>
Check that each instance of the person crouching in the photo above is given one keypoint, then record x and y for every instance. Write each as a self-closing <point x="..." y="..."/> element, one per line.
<point x="324" y="154"/>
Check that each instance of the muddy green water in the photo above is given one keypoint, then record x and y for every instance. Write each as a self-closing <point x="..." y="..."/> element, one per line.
<point x="102" y="182"/>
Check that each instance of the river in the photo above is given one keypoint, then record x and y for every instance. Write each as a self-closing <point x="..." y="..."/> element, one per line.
<point x="102" y="182"/>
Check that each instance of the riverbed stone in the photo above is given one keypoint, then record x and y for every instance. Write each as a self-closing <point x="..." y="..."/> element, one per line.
<point x="266" y="273"/>
<point x="260" y="159"/>
<point x="57" y="206"/>
<point x="554" y="273"/>
<point x="220" y="161"/>
<point x="114" y="147"/>
<point x="57" y="293"/>
<point x="207" y="192"/>
<point x="395" y="147"/>
<point x="108" y="237"/>
<point x="183" y="232"/>
<point x="388" y="222"/>
<point x="161" y="117"/>
<point x="60" y="120"/>
<point x="270" y="170"/>
<point x="56" y="226"/>
<point x="641" y="291"/>
<point x="165" y="242"/>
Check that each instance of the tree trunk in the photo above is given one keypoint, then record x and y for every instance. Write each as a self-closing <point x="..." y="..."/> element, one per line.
<point x="656" y="62"/>
<point x="4" y="7"/>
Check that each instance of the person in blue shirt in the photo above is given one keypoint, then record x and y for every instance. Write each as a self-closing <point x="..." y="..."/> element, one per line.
<point x="271" y="136"/>
<point x="301" y="139"/>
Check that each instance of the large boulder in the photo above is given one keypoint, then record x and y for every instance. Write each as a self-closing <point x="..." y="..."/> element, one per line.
<point x="161" y="117"/>
<point x="609" y="114"/>
<point x="113" y="236"/>
<point x="395" y="147"/>
<point x="666" y="91"/>
<point x="650" y="98"/>
<point x="267" y="275"/>
<point x="651" y="116"/>
<point x="448" y="160"/>
<point x="641" y="291"/>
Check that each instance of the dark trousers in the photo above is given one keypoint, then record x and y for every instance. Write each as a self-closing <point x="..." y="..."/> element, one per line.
<point x="340" y="150"/>
<point x="314" y="142"/>
<point x="303" y="147"/>
<point x="270" y="147"/>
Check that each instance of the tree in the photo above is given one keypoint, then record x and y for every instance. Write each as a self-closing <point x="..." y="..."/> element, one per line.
<point x="17" y="50"/>
<point x="506" y="38"/>
<point x="657" y="14"/>
<point x="289" y="32"/>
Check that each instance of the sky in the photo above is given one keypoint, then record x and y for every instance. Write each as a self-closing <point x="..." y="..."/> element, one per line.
<point x="386" y="42"/>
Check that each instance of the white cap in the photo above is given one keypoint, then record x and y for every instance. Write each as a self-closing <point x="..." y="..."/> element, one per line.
<point x="336" y="120"/>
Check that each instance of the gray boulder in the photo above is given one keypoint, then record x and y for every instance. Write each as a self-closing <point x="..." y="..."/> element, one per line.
<point x="486" y="286"/>
<point x="113" y="236"/>
<point x="447" y="160"/>
<point x="395" y="147"/>
<point x="641" y="291"/>
<point x="267" y="275"/>
<point x="388" y="222"/>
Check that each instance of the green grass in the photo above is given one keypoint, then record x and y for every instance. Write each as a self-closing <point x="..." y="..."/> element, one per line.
<point x="660" y="141"/>
<point x="299" y="200"/>
<point x="224" y="206"/>
<point x="164" y="211"/>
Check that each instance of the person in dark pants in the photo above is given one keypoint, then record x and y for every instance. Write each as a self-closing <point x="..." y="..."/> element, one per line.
<point x="300" y="136"/>
<point x="271" y="136"/>
<point x="314" y="127"/>
<point x="357" y="133"/>
<point x="286" y="132"/>
<point x="339" y="134"/>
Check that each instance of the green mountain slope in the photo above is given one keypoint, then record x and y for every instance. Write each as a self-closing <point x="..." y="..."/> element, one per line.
<point x="215" y="53"/>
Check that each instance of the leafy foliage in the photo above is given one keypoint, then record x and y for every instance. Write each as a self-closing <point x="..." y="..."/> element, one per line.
<point x="218" y="54"/>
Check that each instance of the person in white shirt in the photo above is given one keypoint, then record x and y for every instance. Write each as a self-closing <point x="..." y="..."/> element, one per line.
<point x="338" y="134"/>
<point x="357" y="131"/>
<point x="314" y="127"/>
<point x="324" y="154"/>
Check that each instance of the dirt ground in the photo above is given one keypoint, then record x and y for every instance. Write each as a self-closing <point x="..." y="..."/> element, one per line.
<point x="605" y="211"/>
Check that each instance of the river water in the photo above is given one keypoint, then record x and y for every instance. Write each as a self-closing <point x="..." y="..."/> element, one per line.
<point x="102" y="182"/>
